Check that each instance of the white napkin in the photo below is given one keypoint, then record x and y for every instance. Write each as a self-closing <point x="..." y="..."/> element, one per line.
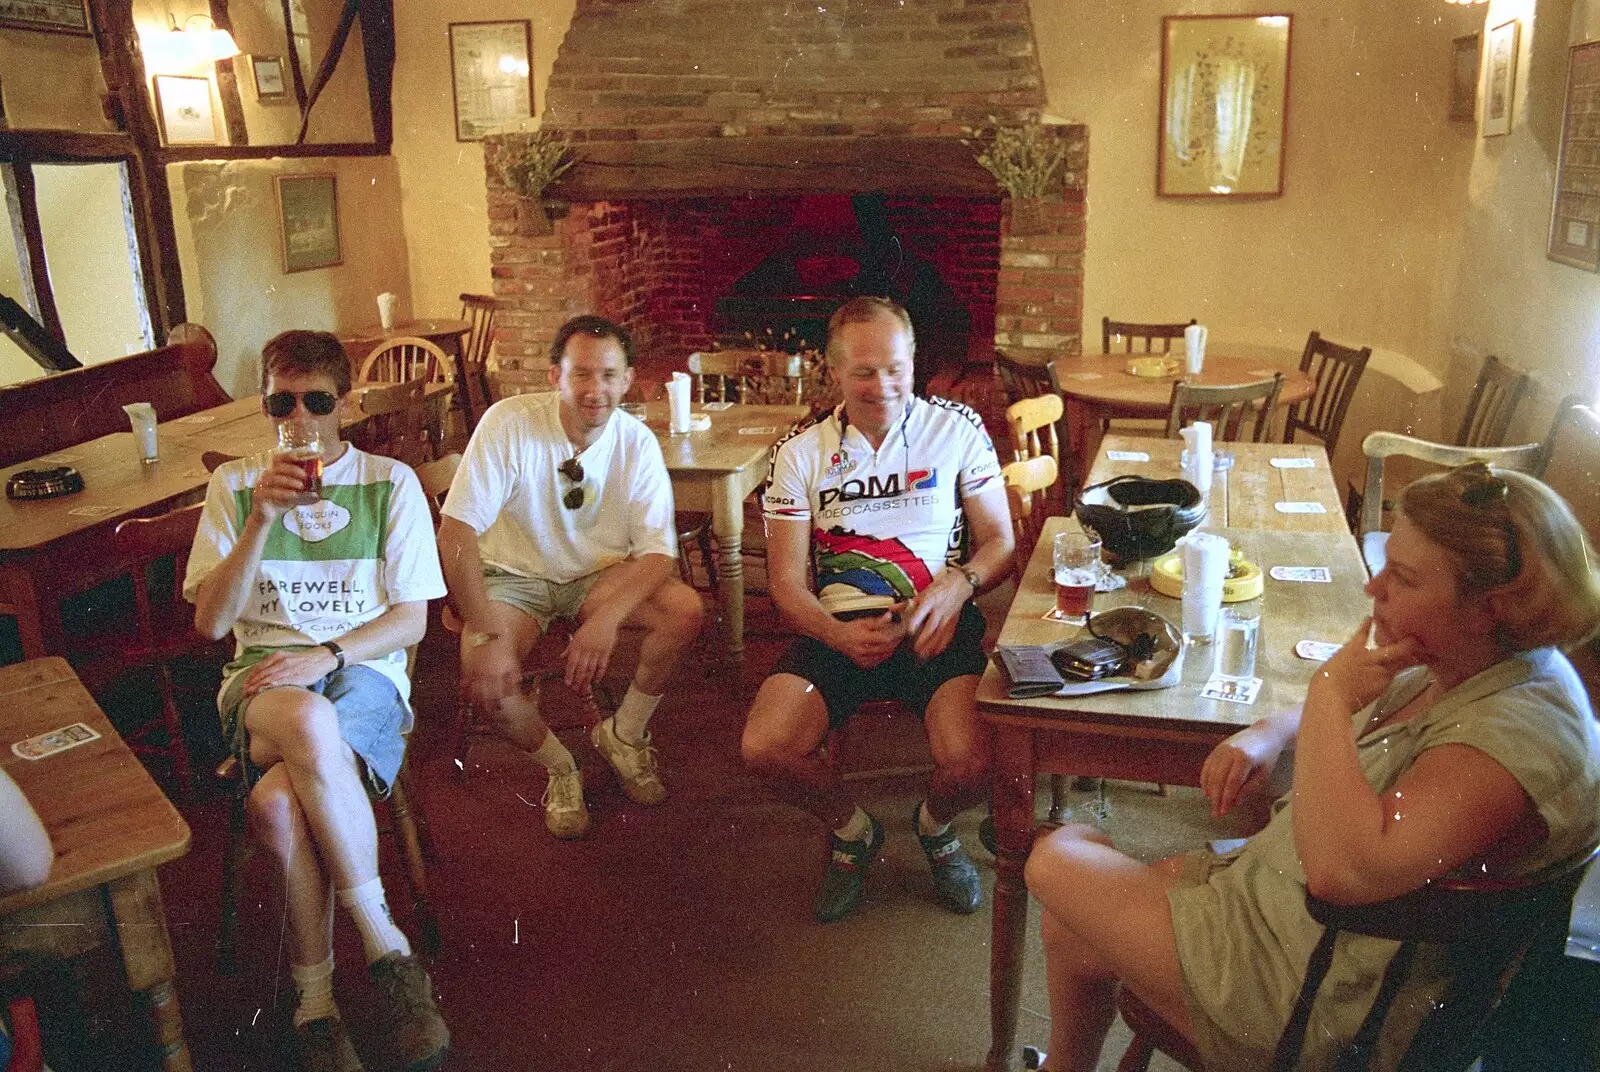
<point x="678" y="400"/>
<point x="1197" y="441"/>
<point x="1194" y="347"/>
<point x="1205" y="567"/>
<point x="142" y="416"/>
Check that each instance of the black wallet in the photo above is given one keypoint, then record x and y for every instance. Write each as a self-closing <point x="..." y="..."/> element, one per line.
<point x="1090" y="659"/>
<point x="1028" y="671"/>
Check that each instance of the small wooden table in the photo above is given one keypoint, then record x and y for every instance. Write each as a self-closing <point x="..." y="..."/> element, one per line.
<point x="1099" y="387"/>
<point x="714" y="472"/>
<point x="110" y="827"/>
<point x="1157" y="736"/>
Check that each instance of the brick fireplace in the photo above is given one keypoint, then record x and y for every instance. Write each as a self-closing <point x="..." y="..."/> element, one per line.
<point x="745" y="165"/>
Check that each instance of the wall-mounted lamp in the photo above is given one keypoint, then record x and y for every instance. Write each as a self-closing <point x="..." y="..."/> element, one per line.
<point x="187" y="46"/>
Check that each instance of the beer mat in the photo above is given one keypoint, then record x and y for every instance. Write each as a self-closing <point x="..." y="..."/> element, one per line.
<point x="48" y="744"/>
<point x="1239" y="692"/>
<point x="1127" y="456"/>
<point x="715" y="407"/>
<point x="1110" y="582"/>
<point x="1293" y="463"/>
<point x="1312" y="574"/>
<point x="196" y="418"/>
<point x="59" y="459"/>
<point x="1085" y="375"/>
<point x="763" y="429"/>
<point x="1055" y="615"/>
<point x="1318" y="651"/>
<point x="92" y="511"/>
<point x="1299" y="508"/>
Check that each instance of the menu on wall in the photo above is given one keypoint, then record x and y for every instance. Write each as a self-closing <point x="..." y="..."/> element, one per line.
<point x="1575" y="217"/>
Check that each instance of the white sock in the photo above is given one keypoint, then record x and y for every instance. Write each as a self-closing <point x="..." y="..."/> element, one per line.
<point x="859" y="828"/>
<point x="634" y="714"/>
<point x="313" y="984"/>
<point x="370" y="909"/>
<point x="927" y="825"/>
<point x="554" y="755"/>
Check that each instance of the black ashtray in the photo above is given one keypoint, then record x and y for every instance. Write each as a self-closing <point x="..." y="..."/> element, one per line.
<point x="44" y="483"/>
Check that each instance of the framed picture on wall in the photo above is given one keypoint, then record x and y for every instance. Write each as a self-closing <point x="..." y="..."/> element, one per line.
<point x="268" y="72"/>
<point x="1224" y="105"/>
<point x="1464" y="57"/>
<point x="1500" y="78"/>
<point x="1575" y="214"/>
<point x="183" y="104"/>
<point x="52" y="16"/>
<point x="489" y="73"/>
<point x="308" y="221"/>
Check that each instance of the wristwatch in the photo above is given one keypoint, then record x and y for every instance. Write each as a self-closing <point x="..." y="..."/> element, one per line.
<point x="972" y="578"/>
<point x="338" y="653"/>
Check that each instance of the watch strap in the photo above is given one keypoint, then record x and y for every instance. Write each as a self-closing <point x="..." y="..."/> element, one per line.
<point x="338" y="653"/>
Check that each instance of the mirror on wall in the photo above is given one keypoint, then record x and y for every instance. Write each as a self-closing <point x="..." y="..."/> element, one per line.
<point x="281" y="44"/>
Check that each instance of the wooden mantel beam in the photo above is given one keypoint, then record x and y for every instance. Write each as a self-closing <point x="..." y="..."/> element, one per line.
<point x="698" y="167"/>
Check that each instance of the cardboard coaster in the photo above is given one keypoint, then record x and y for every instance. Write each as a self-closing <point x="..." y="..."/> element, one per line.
<point x="1239" y="692"/>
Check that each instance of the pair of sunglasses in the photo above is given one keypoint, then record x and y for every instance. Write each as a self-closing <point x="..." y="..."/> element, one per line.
<point x="572" y="469"/>
<point x="318" y="403"/>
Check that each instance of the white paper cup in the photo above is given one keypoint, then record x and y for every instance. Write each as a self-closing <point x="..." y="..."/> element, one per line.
<point x="1205" y="568"/>
<point x="386" y="307"/>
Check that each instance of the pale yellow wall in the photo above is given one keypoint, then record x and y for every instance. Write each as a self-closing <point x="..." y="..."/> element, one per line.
<point x="442" y="180"/>
<point x="1512" y="300"/>
<point x="51" y="81"/>
<point x="232" y="260"/>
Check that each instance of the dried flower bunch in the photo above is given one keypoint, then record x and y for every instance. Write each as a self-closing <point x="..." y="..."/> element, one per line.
<point x="527" y="163"/>
<point x="1026" y="161"/>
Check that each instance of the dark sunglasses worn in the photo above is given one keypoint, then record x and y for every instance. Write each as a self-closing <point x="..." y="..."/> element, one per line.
<point x="318" y="403"/>
<point x="572" y="469"/>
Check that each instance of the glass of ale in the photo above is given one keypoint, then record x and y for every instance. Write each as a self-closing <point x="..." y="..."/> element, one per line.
<point x="303" y="446"/>
<point x="1077" y="568"/>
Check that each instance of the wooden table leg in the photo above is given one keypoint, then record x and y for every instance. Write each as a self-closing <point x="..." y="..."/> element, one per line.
<point x="1012" y="764"/>
<point x="38" y="625"/>
<point x="727" y="525"/>
<point x="147" y="959"/>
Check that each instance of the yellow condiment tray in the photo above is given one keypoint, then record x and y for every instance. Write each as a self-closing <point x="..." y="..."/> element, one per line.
<point x="1166" y="577"/>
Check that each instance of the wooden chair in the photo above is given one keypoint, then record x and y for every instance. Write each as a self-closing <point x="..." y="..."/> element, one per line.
<point x="1485" y="927"/>
<point x="1019" y="380"/>
<point x="479" y="310"/>
<point x="1027" y="490"/>
<point x="1494" y="400"/>
<point x="404" y="359"/>
<point x="749" y="376"/>
<point x="187" y="332"/>
<point x="395" y="424"/>
<point x="1335" y="370"/>
<point x="1382" y="445"/>
<point x="1036" y="432"/>
<point x="215" y="459"/>
<point x="436" y="477"/>
<point x="1146" y="336"/>
<point x="155" y="552"/>
<point x="1227" y="408"/>
<point x="1570" y="459"/>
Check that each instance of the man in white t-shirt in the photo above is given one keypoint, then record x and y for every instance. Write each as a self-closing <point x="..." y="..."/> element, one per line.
<point x="562" y="508"/>
<point x="324" y="589"/>
<point x="897" y="503"/>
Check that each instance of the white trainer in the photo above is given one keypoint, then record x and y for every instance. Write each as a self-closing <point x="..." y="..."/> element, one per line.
<point x="635" y="764"/>
<point x="564" y="813"/>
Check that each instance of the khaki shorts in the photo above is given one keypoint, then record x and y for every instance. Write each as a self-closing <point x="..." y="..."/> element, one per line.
<point x="543" y="601"/>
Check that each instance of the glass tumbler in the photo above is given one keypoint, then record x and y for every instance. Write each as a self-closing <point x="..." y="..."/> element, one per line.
<point x="1077" y="569"/>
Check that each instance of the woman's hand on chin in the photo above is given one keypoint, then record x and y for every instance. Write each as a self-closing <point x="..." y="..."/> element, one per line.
<point x="1357" y="674"/>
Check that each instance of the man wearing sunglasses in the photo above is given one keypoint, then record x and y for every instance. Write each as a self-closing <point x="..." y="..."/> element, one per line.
<point x="562" y="508"/>
<point x="324" y="590"/>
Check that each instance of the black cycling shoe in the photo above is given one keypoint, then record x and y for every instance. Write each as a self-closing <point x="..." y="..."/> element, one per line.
<point x="954" y="877"/>
<point x="846" y="876"/>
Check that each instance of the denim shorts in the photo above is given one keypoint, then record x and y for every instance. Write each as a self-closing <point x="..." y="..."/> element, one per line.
<point x="845" y="686"/>
<point x="369" y="708"/>
<point x="543" y="601"/>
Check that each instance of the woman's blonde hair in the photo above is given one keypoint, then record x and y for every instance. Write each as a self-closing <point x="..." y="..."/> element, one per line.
<point x="1508" y="531"/>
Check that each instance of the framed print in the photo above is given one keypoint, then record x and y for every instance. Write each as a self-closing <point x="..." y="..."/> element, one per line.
<point x="489" y="67"/>
<point x="1464" y="77"/>
<point x="308" y="221"/>
<point x="268" y="72"/>
<point x="1575" y="215"/>
<point x="52" y="16"/>
<point x="1224" y="105"/>
<point x="1500" y="78"/>
<point x="183" y="104"/>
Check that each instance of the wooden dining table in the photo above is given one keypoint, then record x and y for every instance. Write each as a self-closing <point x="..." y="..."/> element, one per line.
<point x="110" y="827"/>
<point x="1162" y="735"/>
<point x="714" y="471"/>
<point x="1099" y="387"/>
<point x="54" y="548"/>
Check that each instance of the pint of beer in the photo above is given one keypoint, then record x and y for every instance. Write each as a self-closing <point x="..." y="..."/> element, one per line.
<point x="303" y="446"/>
